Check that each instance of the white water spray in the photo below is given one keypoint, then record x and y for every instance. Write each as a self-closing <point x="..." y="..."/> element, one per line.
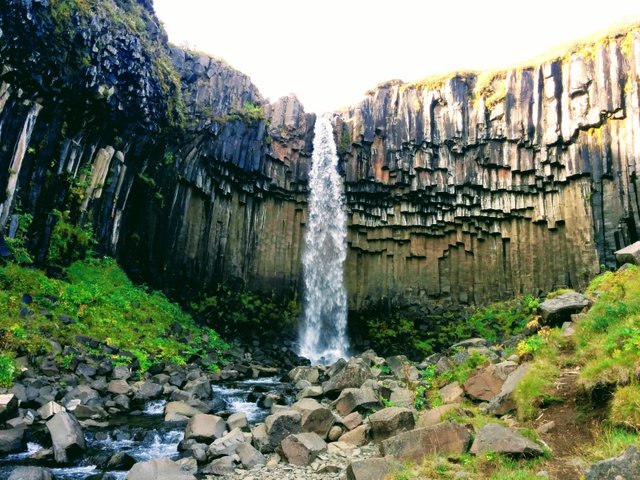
<point x="322" y="332"/>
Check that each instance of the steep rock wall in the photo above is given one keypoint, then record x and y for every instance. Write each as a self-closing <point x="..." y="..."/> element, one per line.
<point x="475" y="188"/>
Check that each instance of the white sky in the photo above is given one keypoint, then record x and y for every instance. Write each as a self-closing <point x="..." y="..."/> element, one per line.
<point x="329" y="52"/>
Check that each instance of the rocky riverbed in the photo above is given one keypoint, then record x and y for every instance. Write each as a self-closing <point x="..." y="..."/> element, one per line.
<point x="357" y="419"/>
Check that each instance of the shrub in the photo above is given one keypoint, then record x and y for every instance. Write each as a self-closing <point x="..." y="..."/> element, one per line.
<point x="7" y="370"/>
<point x="68" y="242"/>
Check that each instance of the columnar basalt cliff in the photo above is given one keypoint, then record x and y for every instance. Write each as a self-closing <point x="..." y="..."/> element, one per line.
<point x="466" y="189"/>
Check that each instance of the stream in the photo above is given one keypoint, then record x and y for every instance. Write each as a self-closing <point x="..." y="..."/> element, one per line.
<point x="147" y="436"/>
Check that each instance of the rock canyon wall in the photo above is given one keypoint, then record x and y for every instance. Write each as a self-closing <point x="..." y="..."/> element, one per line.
<point x="465" y="189"/>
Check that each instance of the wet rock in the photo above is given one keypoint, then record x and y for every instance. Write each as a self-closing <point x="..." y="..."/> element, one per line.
<point x="443" y="438"/>
<point x="391" y="421"/>
<point x="120" y="461"/>
<point x="67" y="437"/>
<point x="499" y="439"/>
<point x="555" y="311"/>
<point x="8" y="406"/>
<point x="12" y="440"/>
<point x="623" y="467"/>
<point x="200" y="388"/>
<point x="303" y="448"/>
<point x="31" y="473"/>
<point x="179" y="412"/>
<point x="205" y="428"/>
<point x="158" y="469"/>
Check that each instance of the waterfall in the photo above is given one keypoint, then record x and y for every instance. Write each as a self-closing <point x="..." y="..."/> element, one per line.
<point x="323" y="325"/>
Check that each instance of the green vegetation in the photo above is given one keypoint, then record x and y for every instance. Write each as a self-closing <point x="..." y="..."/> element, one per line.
<point x="103" y="304"/>
<point x="17" y="244"/>
<point x="68" y="242"/>
<point x="7" y="370"/>
<point x="241" y="312"/>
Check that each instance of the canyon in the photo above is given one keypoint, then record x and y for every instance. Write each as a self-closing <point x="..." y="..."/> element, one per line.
<point x="461" y="189"/>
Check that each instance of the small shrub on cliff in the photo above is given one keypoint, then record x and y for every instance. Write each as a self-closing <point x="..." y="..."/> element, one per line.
<point x="68" y="242"/>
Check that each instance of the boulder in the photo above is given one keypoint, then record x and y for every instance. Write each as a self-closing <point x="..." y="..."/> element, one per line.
<point x="237" y="420"/>
<point x="334" y="433"/>
<point x="120" y="461"/>
<point x="451" y="393"/>
<point x="628" y="254"/>
<point x="227" y="444"/>
<point x="31" y="473"/>
<point x="358" y="436"/>
<point x="360" y="399"/>
<point x="158" y="469"/>
<point x="121" y="372"/>
<point x="49" y="409"/>
<point x="373" y="468"/>
<point x="352" y="375"/>
<point x="310" y="392"/>
<point x="249" y="456"/>
<point x="145" y="391"/>
<point x="499" y="439"/>
<point x="443" y="438"/>
<point x="179" y="412"/>
<point x="503" y="402"/>
<point x="391" y="421"/>
<point x="402" y="397"/>
<point x="205" y="428"/>
<point x="310" y="374"/>
<point x="66" y="436"/>
<point x="352" y="420"/>
<point x="260" y="439"/>
<point x="314" y="417"/>
<point x="119" y="387"/>
<point x="483" y="385"/>
<point x="555" y="311"/>
<point x="200" y="388"/>
<point x="12" y="440"/>
<point x="625" y="466"/>
<point x="282" y="424"/>
<point x="303" y="448"/>
<point x="221" y="467"/>
<point x="8" y="406"/>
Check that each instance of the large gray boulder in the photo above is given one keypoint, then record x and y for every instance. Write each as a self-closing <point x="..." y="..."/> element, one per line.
<point x="67" y="437"/>
<point x="315" y="417"/>
<point x="310" y="374"/>
<point x="443" y="438"/>
<point x="499" y="439"/>
<point x="625" y="467"/>
<point x="391" y="421"/>
<point x="31" y="473"/>
<point x="352" y="375"/>
<point x="221" y="467"/>
<point x="360" y="399"/>
<point x="483" y="385"/>
<point x="557" y="310"/>
<point x="205" y="428"/>
<point x="249" y="456"/>
<point x="402" y="368"/>
<point x="227" y="444"/>
<point x="12" y="440"/>
<point x="158" y="469"/>
<point x="282" y="424"/>
<point x="303" y="448"/>
<point x="504" y="402"/>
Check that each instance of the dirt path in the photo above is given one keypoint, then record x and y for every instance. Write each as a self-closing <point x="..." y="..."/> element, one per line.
<point x="571" y="430"/>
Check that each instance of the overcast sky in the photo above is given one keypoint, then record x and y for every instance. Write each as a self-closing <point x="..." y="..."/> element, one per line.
<point x="330" y="52"/>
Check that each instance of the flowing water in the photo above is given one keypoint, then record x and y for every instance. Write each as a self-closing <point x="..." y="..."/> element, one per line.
<point x="323" y="325"/>
<point x="148" y="436"/>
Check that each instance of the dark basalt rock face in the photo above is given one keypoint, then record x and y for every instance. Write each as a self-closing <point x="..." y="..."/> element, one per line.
<point x="466" y="190"/>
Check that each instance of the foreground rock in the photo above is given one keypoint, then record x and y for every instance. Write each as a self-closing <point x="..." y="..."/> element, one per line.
<point x="629" y="254"/>
<point x="499" y="439"/>
<point x="12" y="440"/>
<point x="66" y="436"/>
<point x="443" y="438"/>
<point x="303" y="448"/>
<point x="372" y="469"/>
<point x="158" y="469"/>
<point x="205" y="428"/>
<point x="624" y="467"/>
<point x="391" y="421"/>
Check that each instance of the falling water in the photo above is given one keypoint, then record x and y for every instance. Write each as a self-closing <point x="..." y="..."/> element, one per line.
<point x="324" y="321"/>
